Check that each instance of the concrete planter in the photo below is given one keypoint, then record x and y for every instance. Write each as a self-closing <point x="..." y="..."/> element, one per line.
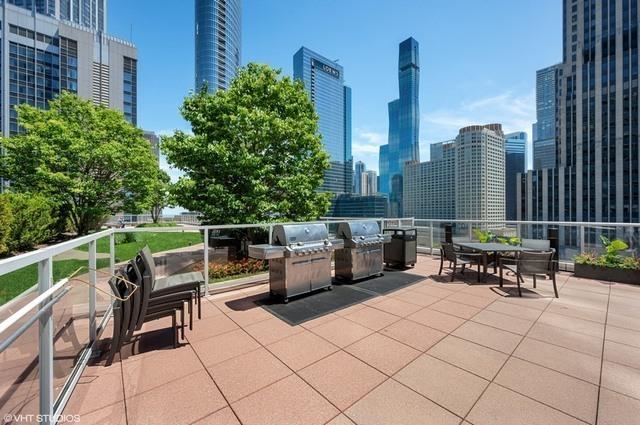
<point x="610" y="274"/>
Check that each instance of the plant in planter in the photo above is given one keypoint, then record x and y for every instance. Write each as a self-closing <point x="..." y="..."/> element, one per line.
<point x="610" y="266"/>
<point x="483" y="236"/>
<point x="513" y="241"/>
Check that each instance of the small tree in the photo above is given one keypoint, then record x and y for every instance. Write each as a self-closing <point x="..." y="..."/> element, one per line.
<point x="5" y="224"/>
<point x="32" y="222"/>
<point x="86" y="158"/>
<point x="159" y="194"/>
<point x="255" y="154"/>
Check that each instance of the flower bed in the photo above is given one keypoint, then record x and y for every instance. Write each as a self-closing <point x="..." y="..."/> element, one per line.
<point x="610" y="266"/>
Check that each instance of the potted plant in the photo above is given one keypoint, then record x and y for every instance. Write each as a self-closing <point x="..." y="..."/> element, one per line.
<point x="610" y="266"/>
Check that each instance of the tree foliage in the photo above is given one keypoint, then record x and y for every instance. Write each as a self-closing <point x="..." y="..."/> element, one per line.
<point x="160" y="191"/>
<point x="255" y="154"/>
<point x="32" y="222"/>
<point x="87" y="159"/>
<point x="5" y="224"/>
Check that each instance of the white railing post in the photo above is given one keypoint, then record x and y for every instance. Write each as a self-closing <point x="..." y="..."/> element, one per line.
<point x="271" y="233"/>
<point x="206" y="262"/>
<point x="581" y="238"/>
<point x="431" y="237"/>
<point x="93" y="281"/>
<point x="112" y="252"/>
<point x="45" y="343"/>
<point x="470" y="231"/>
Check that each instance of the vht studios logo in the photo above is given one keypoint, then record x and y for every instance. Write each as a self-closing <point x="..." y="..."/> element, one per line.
<point x="326" y="68"/>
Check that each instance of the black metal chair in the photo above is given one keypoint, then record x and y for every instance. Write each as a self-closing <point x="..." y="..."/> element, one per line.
<point x="455" y="258"/>
<point x="533" y="263"/>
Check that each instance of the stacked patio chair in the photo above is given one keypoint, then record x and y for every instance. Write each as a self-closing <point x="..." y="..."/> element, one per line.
<point x="532" y="263"/>
<point x="455" y="258"/>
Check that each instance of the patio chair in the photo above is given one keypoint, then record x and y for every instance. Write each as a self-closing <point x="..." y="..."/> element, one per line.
<point x="455" y="258"/>
<point x="531" y="263"/>
<point x="180" y="282"/>
<point x="537" y="244"/>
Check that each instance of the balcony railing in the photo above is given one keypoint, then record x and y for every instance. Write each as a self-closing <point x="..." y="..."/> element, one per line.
<point x="50" y="331"/>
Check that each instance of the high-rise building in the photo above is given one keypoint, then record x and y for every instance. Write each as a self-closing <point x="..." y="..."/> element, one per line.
<point x="544" y="129"/>
<point x="404" y="127"/>
<point x="515" y="149"/>
<point x="90" y="14"/>
<point x="218" y="25"/>
<point x="430" y="187"/>
<point x="598" y="126"/>
<point x="357" y="177"/>
<point x="324" y="81"/>
<point x="45" y="56"/>
<point x="352" y="206"/>
<point x="154" y="143"/>
<point x="480" y="173"/>
<point x="370" y="183"/>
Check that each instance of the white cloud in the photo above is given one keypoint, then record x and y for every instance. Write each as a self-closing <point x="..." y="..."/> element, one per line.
<point x="365" y="146"/>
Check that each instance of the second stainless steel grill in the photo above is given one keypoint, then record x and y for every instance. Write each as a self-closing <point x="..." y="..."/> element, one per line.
<point x="361" y="256"/>
<point x="299" y="258"/>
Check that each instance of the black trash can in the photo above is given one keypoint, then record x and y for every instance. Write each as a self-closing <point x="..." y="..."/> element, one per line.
<point x="402" y="251"/>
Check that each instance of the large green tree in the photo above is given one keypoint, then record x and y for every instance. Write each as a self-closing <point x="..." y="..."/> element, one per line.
<point x="160" y="196"/>
<point x="255" y="154"/>
<point x="88" y="159"/>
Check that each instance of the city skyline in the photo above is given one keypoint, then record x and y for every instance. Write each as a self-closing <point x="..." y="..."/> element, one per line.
<point x="451" y="97"/>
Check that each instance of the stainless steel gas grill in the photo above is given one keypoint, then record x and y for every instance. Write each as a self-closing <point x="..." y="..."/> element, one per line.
<point x="361" y="256"/>
<point x="299" y="258"/>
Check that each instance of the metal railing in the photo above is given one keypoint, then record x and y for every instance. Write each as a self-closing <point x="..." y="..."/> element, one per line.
<point x="48" y="293"/>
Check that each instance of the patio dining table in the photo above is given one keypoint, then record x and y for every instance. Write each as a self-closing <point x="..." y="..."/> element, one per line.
<point x="485" y="248"/>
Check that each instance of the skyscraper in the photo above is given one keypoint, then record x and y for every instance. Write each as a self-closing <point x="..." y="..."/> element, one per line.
<point x="404" y="126"/>
<point x="598" y="126"/>
<point x="515" y="148"/>
<point x="544" y="129"/>
<point x="324" y="81"/>
<point x="90" y="14"/>
<point x="357" y="178"/>
<point x="218" y="25"/>
<point x="369" y="183"/>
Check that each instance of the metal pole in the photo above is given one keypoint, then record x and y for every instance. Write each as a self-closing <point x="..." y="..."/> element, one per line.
<point x="270" y="233"/>
<point x="581" y="238"/>
<point x="45" y="342"/>
<point x="431" y="237"/>
<point x="112" y="252"/>
<point x="206" y="262"/>
<point x="93" y="281"/>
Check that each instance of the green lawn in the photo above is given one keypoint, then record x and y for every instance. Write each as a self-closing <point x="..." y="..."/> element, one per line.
<point x="15" y="283"/>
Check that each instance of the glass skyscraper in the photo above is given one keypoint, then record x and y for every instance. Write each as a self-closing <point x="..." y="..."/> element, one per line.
<point x="404" y="127"/>
<point x="515" y="150"/>
<point x="91" y="14"/>
<point x="544" y="130"/>
<point x="324" y="81"/>
<point x="217" y="42"/>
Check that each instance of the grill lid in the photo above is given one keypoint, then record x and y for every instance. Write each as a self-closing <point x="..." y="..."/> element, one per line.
<point x="289" y="234"/>
<point x="358" y="229"/>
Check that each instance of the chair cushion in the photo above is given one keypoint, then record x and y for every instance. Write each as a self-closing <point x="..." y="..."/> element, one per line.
<point x="177" y="280"/>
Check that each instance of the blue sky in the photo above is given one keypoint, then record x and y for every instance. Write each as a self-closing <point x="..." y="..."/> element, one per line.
<point x="478" y="57"/>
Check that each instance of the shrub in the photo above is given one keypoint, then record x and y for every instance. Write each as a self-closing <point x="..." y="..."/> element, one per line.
<point x="611" y="257"/>
<point x="235" y="268"/>
<point x="32" y="221"/>
<point x="126" y="238"/>
<point x="5" y="224"/>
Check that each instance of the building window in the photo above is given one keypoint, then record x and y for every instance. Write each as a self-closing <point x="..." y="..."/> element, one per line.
<point x="130" y="90"/>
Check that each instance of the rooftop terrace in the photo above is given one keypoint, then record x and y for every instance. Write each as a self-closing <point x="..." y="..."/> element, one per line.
<point x="435" y="352"/>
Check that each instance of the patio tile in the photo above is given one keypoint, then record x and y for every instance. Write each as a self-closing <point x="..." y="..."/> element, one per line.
<point x="488" y="336"/>
<point x="501" y="406"/>
<point x="621" y="379"/>
<point x="341" y="420"/>
<point x="621" y="321"/>
<point x="434" y="291"/>
<point x="245" y="374"/>
<point x="447" y="385"/>
<point x="617" y="409"/>
<point x="622" y="354"/>
<point x="561" y="306"/>
<point x="224" y="416"/>
<point x="319" y="321"/>
<point x="210" y="326"/>
<point x="435" y="319"/>
<point x="383" y="353"/>
<point x="623" y="306"/>
<point x="455" y="309"/>
<point x="518" y="311"/>
<point x="529" y="301"/>
<point x="573" y="340"/>
<point x="272" y="330"/>
<point x="208" y="309"/>
<point x="342" y="332"/>
<point x="342" y="378"/>
<point x="570" y="395"/>
<point x="413" y="334"/>
<point x="418" y="298"/>
<point x="190" y="398"/>
<point x="623" y="336"/>
<point x="469" y="299"/>
<point x="396" y="306"/>
<point x="288" y="401"/>
<point x="561" y="359"/>
<point x="249" y="316"/>
<point x="110" y="415"/>
<point x="503" y="321"/>
<point x="469" y="356"/>
<point x="223" y="347"/>
<point x="152" y="372"/>
<point x="98" y="388"/>
<point x="351" y="309"/>
<point x="572" y="324"/>
<point x="393" y="403"/>
<point x="372" y="318"/>
<point x="300" y="350"/>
